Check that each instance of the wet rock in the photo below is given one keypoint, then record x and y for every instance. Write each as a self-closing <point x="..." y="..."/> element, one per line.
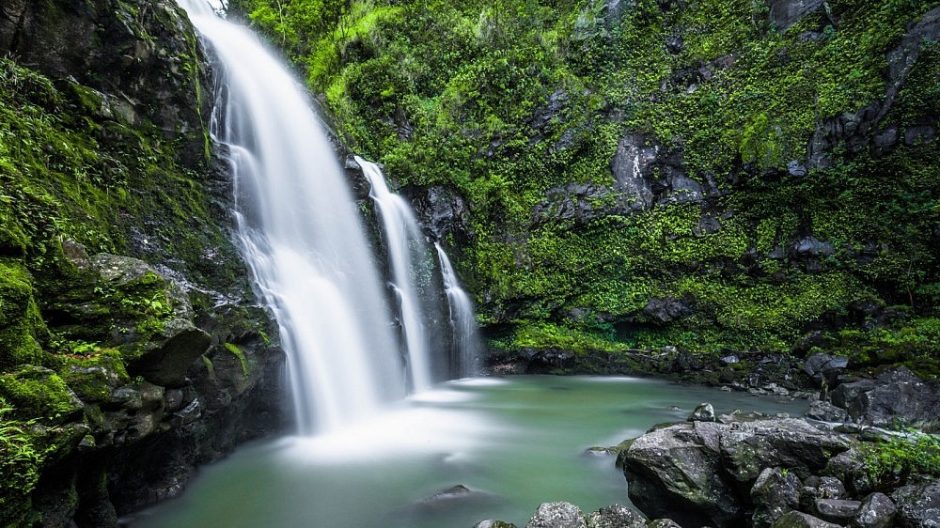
<point x="785" y="13"/>
<point x="815" y="487"/>
<point x="442" y="210"/>
<point x="850" y="468"/>
<point x="826" y="412"/>
<point x="896" y="395"/>
<point x="796" y="519"/>
<point x="615" y="516"/>
<point x="557" y="515"/>
<point x="918" y="505"/>
<point x="676" y="472"/>
<point x="707" y="225"/>
<point x="775" y="493"/>
<point x="705" y="412"/>
<point x="876" y="511"/>
<point x="795" y="168"/>
<point x="825" y="367"/>
<point x="580" y="203"/>
<point x="666" y="310"/>
<point x="632" y="166"/>
<point x="683" y="189"/>
<point x="791" y="443"/>
<point x="836" y="510"/>
<point x="812" y="247"/>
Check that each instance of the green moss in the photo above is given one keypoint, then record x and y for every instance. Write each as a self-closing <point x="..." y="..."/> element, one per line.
<point x="239" y="354"/>
<point x="21" y="326"/>
<point x="38" y="392"/>
<point x="20" y="460"/>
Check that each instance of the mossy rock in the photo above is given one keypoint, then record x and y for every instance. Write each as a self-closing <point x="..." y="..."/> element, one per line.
<point x="21" y="326"/>
<point x="38" y="392"/>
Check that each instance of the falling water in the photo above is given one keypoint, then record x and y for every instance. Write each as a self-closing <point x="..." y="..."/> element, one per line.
<point x="406" y="255"/>
<point x="466" y="340"/>
<point x="301" y="235"/>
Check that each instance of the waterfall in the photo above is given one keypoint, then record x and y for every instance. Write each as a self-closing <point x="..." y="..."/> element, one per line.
<point x="301" y="235"/>
<point x="407" y="253"/>
<point x="465" y="347"/>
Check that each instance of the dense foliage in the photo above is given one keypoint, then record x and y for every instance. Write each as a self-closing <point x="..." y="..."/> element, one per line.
<point x="509" y="101"/>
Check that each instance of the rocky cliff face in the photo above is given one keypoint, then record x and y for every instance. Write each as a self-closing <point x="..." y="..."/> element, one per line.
<point x="711" y="175"/>
<point x="132" y="347"/>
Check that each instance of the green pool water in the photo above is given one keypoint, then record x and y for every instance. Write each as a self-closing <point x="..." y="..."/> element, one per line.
<point x="515" y="442"/>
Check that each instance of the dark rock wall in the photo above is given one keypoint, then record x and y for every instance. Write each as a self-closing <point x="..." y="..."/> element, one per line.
<point x="132" y="347"/>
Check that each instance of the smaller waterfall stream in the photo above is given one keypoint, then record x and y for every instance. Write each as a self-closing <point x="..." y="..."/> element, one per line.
<point x="466" y="340"/>
<point x="407" y="253"/>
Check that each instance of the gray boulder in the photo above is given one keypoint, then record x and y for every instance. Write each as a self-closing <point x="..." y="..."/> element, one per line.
<point x="557" y="515"/>
<point x="894" y="395"/>
<point x="663" y="523"/>
<point x="775" y="493"/>
<point x="876" y="511"/>
<point x="918" y="505"/>
<point x="615" y="516"/>
<point x="790" y="442"/>
<point x="676" y="472"/>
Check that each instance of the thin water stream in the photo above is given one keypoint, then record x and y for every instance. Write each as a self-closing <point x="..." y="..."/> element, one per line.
<point x="515" y="441"/>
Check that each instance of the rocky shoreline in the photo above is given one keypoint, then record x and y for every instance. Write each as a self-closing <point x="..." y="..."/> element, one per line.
<point x="854" y="460"/>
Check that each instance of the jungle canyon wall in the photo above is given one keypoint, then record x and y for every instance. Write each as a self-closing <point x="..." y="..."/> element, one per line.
<point x="131" y="345"/>
<point x="617" y="175"/>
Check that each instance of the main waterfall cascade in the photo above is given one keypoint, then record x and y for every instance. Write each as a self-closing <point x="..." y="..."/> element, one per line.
<point x="300" y="232"/>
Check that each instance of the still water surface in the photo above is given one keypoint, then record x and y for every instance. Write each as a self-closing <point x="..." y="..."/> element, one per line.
<point x="515" y="441"/>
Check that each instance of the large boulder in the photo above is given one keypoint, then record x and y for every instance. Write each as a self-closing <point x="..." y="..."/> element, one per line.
<point x="676" y="472"/>
<point x="700" y="473"/>
<point x="918" y="505"/>
<point x="788" y="442"/>
<point x="895" y="395"/>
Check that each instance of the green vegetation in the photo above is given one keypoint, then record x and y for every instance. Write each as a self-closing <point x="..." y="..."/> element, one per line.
<point x="507" y="100"/>
<point x="20" y="461"/>
<point x="897" y="461"/>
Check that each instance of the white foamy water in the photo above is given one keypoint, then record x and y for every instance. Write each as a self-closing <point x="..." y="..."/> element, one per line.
<point x="301" y="235"/>
<point x="466" y="341"/>
<point x="406" y="253"/>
